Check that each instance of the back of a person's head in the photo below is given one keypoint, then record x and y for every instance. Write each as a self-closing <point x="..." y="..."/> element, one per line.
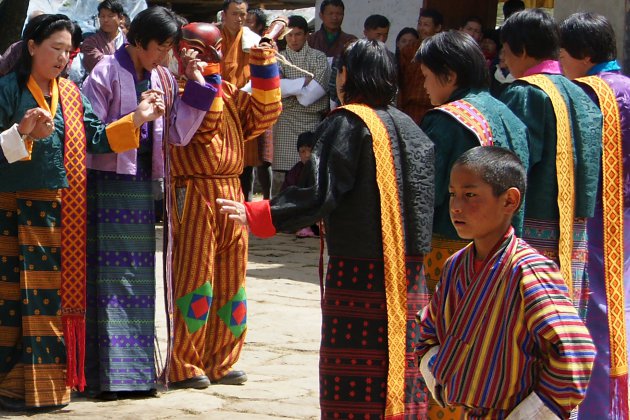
<point x="156" y="23"/>
<point x="512" y="6"/>
<point x="336" y="3"/>
<point x="297" y="21"/>
<point x="376" y="22"/>
<point x="588" y="35"/>
<point x="371" y="76"/>
<point x="437" y="17"/>
<point x="111" y="5"/>
<point x="496" y="166"/>
<point x="534" y="32"/>
<point x="457" y="52"/>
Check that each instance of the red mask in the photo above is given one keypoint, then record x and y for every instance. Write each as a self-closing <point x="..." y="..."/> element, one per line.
<point x="205" y="38"/>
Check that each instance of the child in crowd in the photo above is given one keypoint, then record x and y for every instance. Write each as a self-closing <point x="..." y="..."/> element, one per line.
<point x="500" y="335"/>
<point x="304" y="145"/>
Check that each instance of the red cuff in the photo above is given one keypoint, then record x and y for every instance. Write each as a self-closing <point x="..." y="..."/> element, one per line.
<point x="259" y="218"/>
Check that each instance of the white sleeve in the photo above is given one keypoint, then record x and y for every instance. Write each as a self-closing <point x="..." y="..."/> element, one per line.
<point x="310" y="93"/>
<point x="291" y="87"/>
<point x="425" y="369"/>
<point x="13" y="145"/>
<point x="530" y="408"/>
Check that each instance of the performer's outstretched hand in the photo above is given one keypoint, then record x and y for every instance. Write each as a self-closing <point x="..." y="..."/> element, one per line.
<point x="234" y="210"/>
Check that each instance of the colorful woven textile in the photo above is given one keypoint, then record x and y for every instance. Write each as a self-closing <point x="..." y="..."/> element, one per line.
<point x="464" y="112"/>
<point x="394" y="257"/>
<point x="565" y="174"/>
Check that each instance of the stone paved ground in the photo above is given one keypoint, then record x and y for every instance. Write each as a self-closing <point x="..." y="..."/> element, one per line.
<point x="280" y="354"/>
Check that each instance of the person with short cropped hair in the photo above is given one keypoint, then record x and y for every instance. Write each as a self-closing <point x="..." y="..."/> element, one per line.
<point x="365" y="368"/>
<point x="412" y="97"/>
<point x="121" y="208"/>
<point x="473" y="26"/>
<point x="500" y="336"/>
<point x="559" y="117"/>
<point x="330" y="39"/>
<point x="588" y="55"/>
<point x="376" y="27"/>
<point x="304" y="98"/>
<point x="109" y="36"/>
<point x="256" y="20"/>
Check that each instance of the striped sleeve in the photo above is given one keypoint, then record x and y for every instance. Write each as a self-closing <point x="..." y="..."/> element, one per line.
<point x="566" y="345"/>
<point x="261" y="109"/>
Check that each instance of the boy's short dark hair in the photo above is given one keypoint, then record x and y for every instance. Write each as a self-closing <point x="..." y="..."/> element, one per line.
<point x="437" y="17"/>
<point x="457" y="52"/>
<point x="306" y="138"/>
<point x="534" y="32"/>
<point x="588" y="35"/>
<point x="512" y="6"/>
<point x="475" y="19"/>
<point x="336" y="3"/>
<point x="111" y="5"/>
<point x="297" y="21"/>
<point x="157" y="24"/>
<point x="498" y="167"/>
<point x="375" y="22"/>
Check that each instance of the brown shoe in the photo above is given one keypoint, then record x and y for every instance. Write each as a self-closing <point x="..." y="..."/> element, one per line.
<point x="197" y="382"/>
<point x="233" y="377"/>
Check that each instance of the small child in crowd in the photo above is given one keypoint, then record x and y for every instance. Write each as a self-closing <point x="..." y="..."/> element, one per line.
<point x="500" y="335"/>
<point x="304" y="145"/>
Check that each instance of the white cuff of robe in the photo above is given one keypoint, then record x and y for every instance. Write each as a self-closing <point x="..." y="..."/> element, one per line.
<point x="13" y="145"/>
<point x="291" y="87"/>
<point x="532" y="407"/>
<point x="425" y="370"/>
<point x="310" y="93"/>
<point x="248" y="87"/>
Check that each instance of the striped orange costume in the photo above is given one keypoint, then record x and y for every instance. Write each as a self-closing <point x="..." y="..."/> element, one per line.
<point x="209" y="251"/>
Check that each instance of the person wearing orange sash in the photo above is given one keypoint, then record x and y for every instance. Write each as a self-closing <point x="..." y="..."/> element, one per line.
<point x="588" y="55"/>
<point x="370" y="163"/>
<point x="565" y="131"/>
<point x="46" y="129"/>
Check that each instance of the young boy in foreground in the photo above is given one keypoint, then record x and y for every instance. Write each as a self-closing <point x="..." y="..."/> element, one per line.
<point x="500" y="335"/>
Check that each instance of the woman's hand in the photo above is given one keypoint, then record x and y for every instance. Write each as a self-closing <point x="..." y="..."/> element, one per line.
<point x="151" y="107"/>
<point x="36" y="123"/>
<point x="234" y="210"/>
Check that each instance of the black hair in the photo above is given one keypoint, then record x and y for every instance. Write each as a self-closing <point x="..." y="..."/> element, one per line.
<point x="261" y="17"/>
<point x="226" y="3"/>
<point x="126" y="20"/>
<point x="157" y="24"/>
<point x="336" y="3"/>
<point x="457" y="52"/>
<point x="436" y="16"/>
<point x="375" y="22"/>
<point x="371" y="76"/>
<point x="532" y="31"/>
<point x="38" y="30"/>
<point x="111" y="5"/>
<point x="405" y="31"/>
<point x="306" y="138"/>
<point x="77" y="35"/>
<point x="498" y="167"/>
<point x="512" y="6"/>
<point x="588" y="35"/>
<point x="476" y="19"/>
<point x="297" y="21"/>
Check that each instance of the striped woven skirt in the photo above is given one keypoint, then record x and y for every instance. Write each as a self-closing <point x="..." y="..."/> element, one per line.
<point x="121" y="281"/>
<point x="32" y="350"/>
<point x="544" y="235"/>
<point x="441" y="248"/>
<point x="353" y="352"/>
